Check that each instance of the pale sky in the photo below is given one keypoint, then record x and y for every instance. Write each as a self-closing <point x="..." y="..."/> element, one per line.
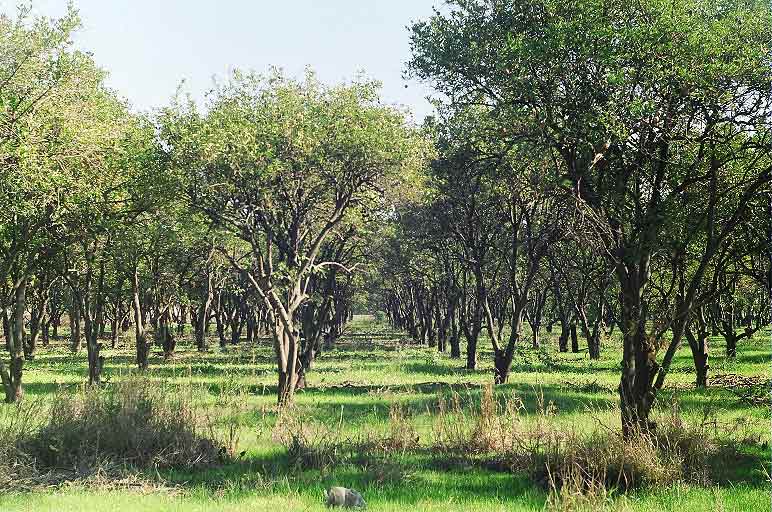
<point x="150" y="46"/>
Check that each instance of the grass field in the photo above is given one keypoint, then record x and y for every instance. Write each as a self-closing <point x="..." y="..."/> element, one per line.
<point x="352" y="389"/>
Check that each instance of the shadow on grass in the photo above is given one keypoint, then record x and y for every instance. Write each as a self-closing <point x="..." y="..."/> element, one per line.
<point x="399" y="480"/>
<point x="411" y="479"/>
<point x="440" y="370"/>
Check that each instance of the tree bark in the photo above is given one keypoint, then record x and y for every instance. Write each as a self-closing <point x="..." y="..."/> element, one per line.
<point x="12" y="377"/>
<point x="574" y="337"/>
<point x="202" y="316"/>
<point x="699" y="347"/>
<point x="639" y="365"/>
<point x="75" y="339"/>
<point x="564" y="334"/>
<point x="142" y="346"/>
<point x="502" y="363"/>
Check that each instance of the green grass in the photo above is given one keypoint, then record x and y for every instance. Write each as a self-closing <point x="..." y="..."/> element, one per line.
<point x="354" y="385"/>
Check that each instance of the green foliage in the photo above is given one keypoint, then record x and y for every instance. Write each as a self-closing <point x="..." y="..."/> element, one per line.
<point x="287" y="158"/>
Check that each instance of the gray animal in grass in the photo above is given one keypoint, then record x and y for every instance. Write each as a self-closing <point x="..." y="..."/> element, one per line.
<point x="342" y="497"/>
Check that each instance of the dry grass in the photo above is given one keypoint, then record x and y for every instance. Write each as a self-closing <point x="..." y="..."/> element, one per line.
<point x="137" y="422"/>
<point x="103" y="437"/>
<point x="587" y="468"/>
<point x="578" y="469"/>
<point x="311" y="444"/>
<point x="18" y="422"/>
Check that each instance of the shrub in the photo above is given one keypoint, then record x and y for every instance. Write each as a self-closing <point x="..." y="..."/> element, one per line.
<point x="311" y="444"/>
<point x="603" y="461"/>
<point x="500" y="434"/>
<point x="137" y="422"/>
<point x="18" y="422"/>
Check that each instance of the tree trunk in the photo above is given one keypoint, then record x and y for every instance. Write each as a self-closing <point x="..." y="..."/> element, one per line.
<point x="45" y="331"/>
<point x="143" y="348"/>
<point x="220" y="327"/>
<point x="251" y="327"/>
<point x="75" y="341"/>
<point x="574" y="337"/>
<point x="471" y="353"/>
<point x="731" y="344"/>
<point x="165" y="336"/>
<point x="12" y="378"/>
<point x="639" y="365"/>
<point x="202" y="316"/>
<point x="455" y="339"/>
<point x="237" y="324"/>
<point x="287" y="348"/>
<point x="502" y="362"/>
<point x="472" y="334"/>
<point x="699" y="346"/>
<point x="593" y="347"/>
<point x="93" y="348"/>
<point x="7" y="329"/>
<point x="564" y="333"/>
<point x="37" y="319"/>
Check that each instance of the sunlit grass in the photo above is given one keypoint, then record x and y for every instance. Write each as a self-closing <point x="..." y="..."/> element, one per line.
<point x="354" y="385"/>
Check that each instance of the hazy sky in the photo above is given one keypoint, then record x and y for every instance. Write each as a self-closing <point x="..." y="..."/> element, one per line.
<point x="148" y="46"/>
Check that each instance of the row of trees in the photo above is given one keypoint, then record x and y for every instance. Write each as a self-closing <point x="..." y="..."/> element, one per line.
<point x="601" y="164"/>
<point x="250" y="215"/>
<point x="595" y="164"/>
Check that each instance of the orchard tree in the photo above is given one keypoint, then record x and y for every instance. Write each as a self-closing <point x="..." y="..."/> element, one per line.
<point x="657" y="118"/>
<point x="279" y="163"/>
<point x="59" y="125"/>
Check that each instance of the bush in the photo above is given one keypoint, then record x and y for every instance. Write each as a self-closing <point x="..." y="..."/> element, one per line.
<point x="311" y="444"/>
<point x="136" y="422"/>
<point x="601" y="462"/>
<point x="500" y="434"/>
<point x="18" y="422"/>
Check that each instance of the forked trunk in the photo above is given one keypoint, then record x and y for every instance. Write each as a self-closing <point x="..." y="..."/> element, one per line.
<point x="287" y="347"/>
<point x="698" y="343"/>
<point x="535" y="337"/>
<point x="502" y="363"/>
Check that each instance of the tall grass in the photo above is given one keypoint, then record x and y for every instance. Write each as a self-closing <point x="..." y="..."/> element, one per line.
<point x="577" y="467"/>
<point x="136" y="423"/>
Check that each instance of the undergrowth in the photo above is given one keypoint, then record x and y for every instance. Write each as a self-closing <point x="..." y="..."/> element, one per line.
<point x="103" y="433"/>
<point x="577" y="468"/>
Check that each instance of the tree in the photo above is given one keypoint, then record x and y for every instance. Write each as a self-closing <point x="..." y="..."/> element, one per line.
<point x="657" y="117"/>
<point x="279" y="164"/>
<point x="59" y="124"/>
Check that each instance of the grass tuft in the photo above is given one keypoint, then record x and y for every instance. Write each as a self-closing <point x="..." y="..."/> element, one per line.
<point x="136" y="422"/>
